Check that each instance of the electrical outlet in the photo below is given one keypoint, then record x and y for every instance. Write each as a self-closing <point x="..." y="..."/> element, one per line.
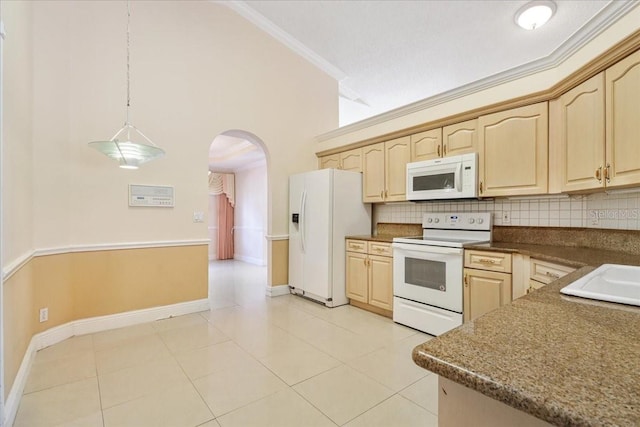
<point x="44" y="314"/>
<point x="506" y="217"/>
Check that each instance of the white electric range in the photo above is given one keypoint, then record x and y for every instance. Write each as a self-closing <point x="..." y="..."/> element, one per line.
<point x="428" y="270"/>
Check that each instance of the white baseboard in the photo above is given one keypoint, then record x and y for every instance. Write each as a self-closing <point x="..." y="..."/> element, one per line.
<point x="276" y="291"/>
<point x="88" y="326"/>
<point x="250" y="260"/>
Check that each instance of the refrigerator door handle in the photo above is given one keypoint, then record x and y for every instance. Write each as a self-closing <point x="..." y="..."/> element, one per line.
<point x="303" y="204"/>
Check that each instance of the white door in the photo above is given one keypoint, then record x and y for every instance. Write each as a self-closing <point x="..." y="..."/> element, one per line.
<point x="316" y="225"/>
<point x="296" y="191"/>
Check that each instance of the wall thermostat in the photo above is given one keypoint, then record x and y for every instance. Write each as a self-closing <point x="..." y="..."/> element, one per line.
<point x="151" y="196"/>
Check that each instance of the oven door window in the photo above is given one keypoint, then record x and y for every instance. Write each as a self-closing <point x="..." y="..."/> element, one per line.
<point x="426" y="273"/>
<point x="441" y="181"/>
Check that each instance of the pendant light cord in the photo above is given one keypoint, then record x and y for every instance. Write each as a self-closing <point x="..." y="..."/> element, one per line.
<point x="128" y="60"/>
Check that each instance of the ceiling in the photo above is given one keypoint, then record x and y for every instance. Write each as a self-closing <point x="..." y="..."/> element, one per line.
<point x="387" y="54"/>
<point x="231" y="154"/>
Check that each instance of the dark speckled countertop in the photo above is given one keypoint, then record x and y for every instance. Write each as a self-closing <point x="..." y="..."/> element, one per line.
<point x="569" y="361"/>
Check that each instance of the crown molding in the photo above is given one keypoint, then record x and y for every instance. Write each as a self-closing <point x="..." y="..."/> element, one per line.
<point x="260" y="21"/>
<point x="607" y="16"/>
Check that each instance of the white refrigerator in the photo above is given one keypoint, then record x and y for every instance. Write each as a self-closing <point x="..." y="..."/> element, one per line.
<point x="324" y="207"/>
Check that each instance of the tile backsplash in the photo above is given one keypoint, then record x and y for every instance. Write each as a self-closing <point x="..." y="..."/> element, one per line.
<point x="601" y="210"/>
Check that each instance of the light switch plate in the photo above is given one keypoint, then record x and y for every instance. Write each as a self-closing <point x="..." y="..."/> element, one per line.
<point x="198" y="216"/>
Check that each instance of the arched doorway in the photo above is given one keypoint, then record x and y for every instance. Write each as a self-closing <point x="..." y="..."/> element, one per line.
<point x="238" y="219"/>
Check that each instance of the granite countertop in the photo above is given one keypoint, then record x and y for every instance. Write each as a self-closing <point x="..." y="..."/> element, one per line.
<point x="566" y="360"/>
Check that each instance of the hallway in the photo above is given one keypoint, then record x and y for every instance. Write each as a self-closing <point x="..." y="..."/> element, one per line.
<point x="249" y="361"/>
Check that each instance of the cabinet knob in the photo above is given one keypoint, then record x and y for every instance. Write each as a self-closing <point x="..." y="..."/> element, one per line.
<point x="480" y="187"/>
<point x="444" y="149"/>
<point x="438" y="151"/>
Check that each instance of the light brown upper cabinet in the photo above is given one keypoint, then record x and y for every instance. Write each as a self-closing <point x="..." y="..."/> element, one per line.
<point x="330" y="162"/>
<point x="622" y="88"/>
<point x="426" y="145"/>
<point x="384" y="167"/>
<point x="348" y="160"/>
<point x="513" y="151"/>
<point x="459" y="138"/>
<point x="576" y="132"/>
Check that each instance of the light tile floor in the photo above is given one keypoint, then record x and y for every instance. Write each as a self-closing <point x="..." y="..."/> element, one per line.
<point x="249" y="361"/>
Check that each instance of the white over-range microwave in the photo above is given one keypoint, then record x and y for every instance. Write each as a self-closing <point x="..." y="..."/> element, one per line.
<point x="454" y="177"/>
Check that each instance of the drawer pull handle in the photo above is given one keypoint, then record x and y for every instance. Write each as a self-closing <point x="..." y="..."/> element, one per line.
<point x="554" y="275"/>
<point x="439" y="151"/>
<point x="487" y="261"/>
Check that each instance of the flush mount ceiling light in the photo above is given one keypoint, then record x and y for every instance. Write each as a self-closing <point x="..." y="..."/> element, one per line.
<point x="126" y="151"/>
<point x="535" y="14"/>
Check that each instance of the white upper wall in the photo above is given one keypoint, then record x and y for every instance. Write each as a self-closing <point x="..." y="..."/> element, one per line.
<point x="197" y="69"/>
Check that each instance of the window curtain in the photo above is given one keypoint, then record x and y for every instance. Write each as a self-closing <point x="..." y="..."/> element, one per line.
<point x="222" y="185"/>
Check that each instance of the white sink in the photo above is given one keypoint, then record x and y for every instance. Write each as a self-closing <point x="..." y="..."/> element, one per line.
<point x="609" y="282"/>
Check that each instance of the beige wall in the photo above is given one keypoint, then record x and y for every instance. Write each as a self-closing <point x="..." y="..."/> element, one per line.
<point x="17" y="167"/>
<point x="80" y="285"/>
<point x="278" y="272"/>
<point x="197" y="69"/>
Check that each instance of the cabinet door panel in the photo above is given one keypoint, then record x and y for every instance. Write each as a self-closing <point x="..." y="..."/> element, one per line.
<point x="623" y="121"/>
<point x="357" y="282"/>
<point x="426" y="145"/>
<point x="397" y="155"/>
<point x="373" y="173"/>
<point x="330" y="162"/>
<point x="381" y="281"/>
<point x="351" y="160"/>
<point x="581" y="136"/>
<point x="460" y="138"/>
<point x="484" y="291"/>
<point x="513" y="147"/>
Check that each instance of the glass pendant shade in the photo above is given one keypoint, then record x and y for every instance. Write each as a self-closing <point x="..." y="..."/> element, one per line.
<point x="122" y="147"/>
<point x="127" y="153"/>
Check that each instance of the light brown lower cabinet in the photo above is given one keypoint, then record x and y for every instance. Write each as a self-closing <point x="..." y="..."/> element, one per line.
<point x="369" y="276"/>
<point x="484" y="291"/>
<point x="487" y="282"/>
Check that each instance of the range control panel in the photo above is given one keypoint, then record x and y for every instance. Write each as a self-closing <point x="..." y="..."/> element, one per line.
<point x="457" y="221"/>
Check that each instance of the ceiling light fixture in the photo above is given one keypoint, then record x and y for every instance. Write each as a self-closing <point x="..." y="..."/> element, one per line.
<point x="128" y="153"/>
<point x="535" y="14"/>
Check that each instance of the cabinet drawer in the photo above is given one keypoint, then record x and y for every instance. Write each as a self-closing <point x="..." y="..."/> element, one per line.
<point x="380" y="248"/>
<point x="491" y="261"/>
<point x="547" y="272"/>
<point x="357" y="246"/>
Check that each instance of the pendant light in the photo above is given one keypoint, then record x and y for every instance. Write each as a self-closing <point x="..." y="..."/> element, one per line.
<point x="122" y="147"/>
